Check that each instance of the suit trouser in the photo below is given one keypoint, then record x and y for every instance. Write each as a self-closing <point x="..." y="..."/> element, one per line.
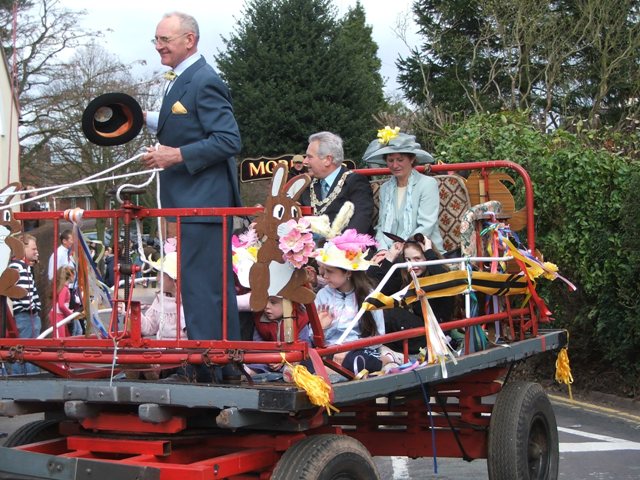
<point x="202" y="285"/>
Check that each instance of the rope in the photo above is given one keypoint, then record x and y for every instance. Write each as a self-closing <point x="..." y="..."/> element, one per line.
<point x="115" y="359"/>
<point x="425" y="396"/>
<point x="14" y="90"/>
<point x="95" y="178"/>
<point x="140" y="185"/>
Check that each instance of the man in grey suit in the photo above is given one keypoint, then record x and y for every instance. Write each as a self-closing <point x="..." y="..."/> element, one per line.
<point x="199" y="139"/>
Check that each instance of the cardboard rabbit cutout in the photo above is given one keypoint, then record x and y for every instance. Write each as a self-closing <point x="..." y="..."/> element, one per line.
<point x="10" y="247"/>
<point x="271" y="275"/>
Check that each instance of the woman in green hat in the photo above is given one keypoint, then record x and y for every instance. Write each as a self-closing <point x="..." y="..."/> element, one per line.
<point x="409" y="201"/>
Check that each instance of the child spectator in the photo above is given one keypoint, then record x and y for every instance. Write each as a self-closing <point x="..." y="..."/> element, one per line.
<point x="161" y="317"/>
<point x="244" y="247"/>
<point x="109" y="258"/>
<point x="270" y="327"/>
<point x="416" y="249"/>
<point x="61" y="309"/>
<point x="347" y="285"/>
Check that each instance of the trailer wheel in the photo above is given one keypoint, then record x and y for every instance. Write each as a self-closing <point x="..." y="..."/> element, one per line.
<point x="326" y="457"/>
<point x="32" y="432"/>
<point x="523" y="435"/>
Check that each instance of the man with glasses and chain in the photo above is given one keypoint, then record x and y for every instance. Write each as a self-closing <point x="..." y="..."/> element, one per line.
<point x="334" y="184"/>
<point x="199" y="139"/>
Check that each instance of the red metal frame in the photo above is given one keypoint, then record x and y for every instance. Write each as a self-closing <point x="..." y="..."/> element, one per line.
<point x="55" y="354"/>
<point x="456" y="418"/>
<point x="205" y="457"/>
<point x="452" y="413"/>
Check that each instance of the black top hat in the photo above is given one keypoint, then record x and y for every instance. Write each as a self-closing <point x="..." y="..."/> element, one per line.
<point x="112" y="119"/>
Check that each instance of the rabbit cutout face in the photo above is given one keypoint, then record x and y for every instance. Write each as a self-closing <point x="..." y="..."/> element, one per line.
<point x="271" y="275"/>
<point x="10" y="247"/>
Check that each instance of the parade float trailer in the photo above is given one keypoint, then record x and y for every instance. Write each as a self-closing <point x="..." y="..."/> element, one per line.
<point x="99" y="425"/>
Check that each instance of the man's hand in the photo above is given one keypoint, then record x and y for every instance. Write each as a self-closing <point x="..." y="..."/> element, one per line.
<point x="162" y="157"/>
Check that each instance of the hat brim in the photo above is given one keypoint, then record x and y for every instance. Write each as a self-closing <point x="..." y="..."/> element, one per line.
<point x="342" y="263"/>
<point x="168" y="266"/>
<point x="377" y="157"/>
<point x="112" y="119"/>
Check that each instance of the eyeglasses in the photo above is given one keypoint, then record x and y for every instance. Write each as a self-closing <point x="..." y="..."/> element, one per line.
<point x="166" y="40"/>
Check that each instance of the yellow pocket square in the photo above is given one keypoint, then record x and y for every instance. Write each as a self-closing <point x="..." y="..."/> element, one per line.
<point x="178" y="108"/>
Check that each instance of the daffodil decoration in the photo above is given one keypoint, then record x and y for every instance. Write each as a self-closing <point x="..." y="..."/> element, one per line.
<point x="386" y="134"/>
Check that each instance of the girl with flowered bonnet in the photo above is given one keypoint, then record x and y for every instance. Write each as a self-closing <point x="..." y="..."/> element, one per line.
<point x="347" y="285"/>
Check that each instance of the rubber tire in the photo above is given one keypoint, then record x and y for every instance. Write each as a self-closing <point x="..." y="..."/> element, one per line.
<point x="523" y="435"/>
<point x="32" y="432"/>
<point x="326" y="457"/>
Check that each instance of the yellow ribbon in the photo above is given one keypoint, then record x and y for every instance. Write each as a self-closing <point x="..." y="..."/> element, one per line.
<point x="317" y="389"/>
<point x="563" y="370"/>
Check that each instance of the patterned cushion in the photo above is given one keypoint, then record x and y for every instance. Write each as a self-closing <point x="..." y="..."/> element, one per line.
<point x="454" y="202"/>
<point x="375" y="190"/>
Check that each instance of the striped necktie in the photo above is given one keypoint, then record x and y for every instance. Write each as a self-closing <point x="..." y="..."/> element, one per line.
<point x="324" y="187"/>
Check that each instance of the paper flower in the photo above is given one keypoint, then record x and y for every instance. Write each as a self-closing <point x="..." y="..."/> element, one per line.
<point x="386" y="134"/>
<point x="296" y="242"/>
<point x="246" y="239"/>
<point x="244" y="250"/>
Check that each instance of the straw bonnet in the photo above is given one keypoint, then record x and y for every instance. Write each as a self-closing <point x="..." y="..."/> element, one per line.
<point x="347" y="251"/>
<point x="392" y="141"/>
<point x="169" y="265"/>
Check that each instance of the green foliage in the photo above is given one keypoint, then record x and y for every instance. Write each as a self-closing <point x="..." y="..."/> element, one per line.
<point x="587" y="222"/>
<point x="560" y="59"/>
<point x="294" y="69"/>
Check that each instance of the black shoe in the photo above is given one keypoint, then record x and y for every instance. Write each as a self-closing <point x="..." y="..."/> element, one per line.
<point x="187" y="374"/>
<point x="175" y="378"/>
<point x="231" y="374"/>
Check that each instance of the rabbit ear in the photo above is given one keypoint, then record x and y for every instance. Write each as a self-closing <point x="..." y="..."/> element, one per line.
<point x="297" y="185"/>
<point x="8" y="192"/>
<point x="278" y="179"/>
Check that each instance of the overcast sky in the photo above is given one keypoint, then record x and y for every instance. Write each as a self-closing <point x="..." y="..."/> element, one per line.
<point x="133" y="22"/>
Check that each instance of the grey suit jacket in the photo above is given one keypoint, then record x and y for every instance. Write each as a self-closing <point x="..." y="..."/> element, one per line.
<point x="197" y="116"/>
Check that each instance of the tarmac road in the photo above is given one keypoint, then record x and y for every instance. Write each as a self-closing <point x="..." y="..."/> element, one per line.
<point x="597" y="441"/>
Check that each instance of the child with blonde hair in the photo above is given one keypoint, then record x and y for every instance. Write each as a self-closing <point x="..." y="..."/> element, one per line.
<point x="161" y="318"/>
<point x="61" y="310"/>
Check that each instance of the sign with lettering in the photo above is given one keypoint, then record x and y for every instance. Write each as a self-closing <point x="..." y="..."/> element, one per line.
<point x="252" y="169"/>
